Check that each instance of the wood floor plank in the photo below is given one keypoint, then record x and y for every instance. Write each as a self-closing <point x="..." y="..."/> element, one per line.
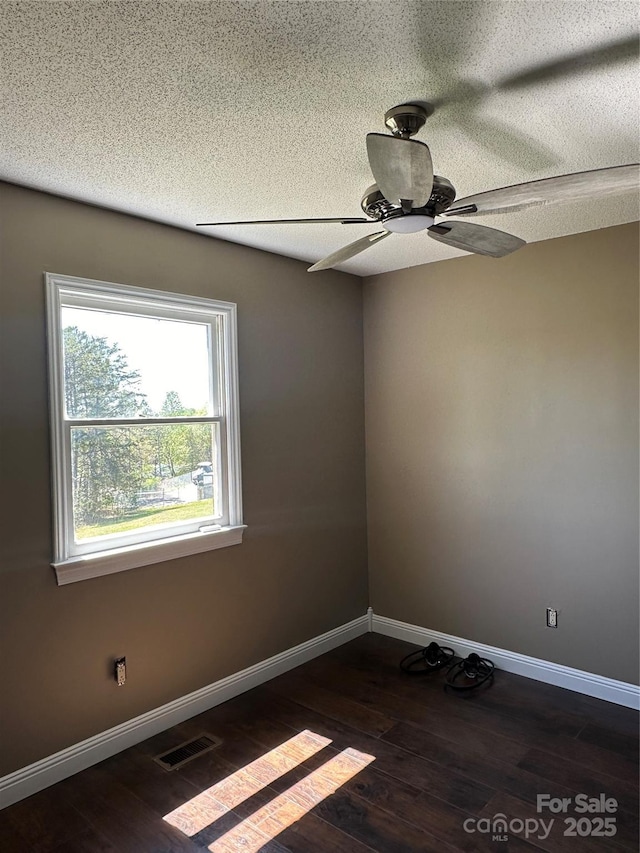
<point x="580" y="780"/>
<point x="376" y="650"/>
<point x="456" y="828"/>
<point x="617" y="718"/>
<point x="311" y="834"/>
<point x="333" y="830"/>
<point x="91" y="841"/>
<point x="10" y="840"/>
<point x="485" y="770"/>
<point x="45" y="820"/>
<point x="160" y="789"/>
<point x="413" y="693"/>
<point x="230" y="819"/>
<point x="414" y="806"/>
<point x="373" y="792"/>
<point x="591" y="756"/>
<point x="419" y="809"/>
<point x="246" y="782"/>
<point x="627" y="830"/>
<point x="510" y="696"/>
<point x="219" y="837"/>
<point x="438" y="714"/>
<point x="205" y="770"/>
<point x="376" y="828"/>
<point x="250" y="840"/>
<point x="332" y="704"/>
<point x="128" y="823"/>
<point x="457" y="789"/>
<point x="609" y="739"/>
<point x="239" y="746"/>
<point x="445" y="715"/>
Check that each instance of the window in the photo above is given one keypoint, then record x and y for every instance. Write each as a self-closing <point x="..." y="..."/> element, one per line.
<point x="144" y="426"/>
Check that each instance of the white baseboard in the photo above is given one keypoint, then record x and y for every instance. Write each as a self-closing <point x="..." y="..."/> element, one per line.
<point x="28" y="780"/>
<point x="608" y="689"/>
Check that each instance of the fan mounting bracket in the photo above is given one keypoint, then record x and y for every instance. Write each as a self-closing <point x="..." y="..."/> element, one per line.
<point x="405" y="120"/>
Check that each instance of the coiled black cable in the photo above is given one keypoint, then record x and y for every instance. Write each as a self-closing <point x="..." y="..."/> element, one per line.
<point x="426" y="660"/>
<point x="470" y="673"/>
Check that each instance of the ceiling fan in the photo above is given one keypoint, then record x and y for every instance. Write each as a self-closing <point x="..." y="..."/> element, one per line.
<point x="407" y="196"/>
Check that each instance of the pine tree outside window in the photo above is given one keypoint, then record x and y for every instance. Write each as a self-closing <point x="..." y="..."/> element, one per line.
<point x="144" y="426"/>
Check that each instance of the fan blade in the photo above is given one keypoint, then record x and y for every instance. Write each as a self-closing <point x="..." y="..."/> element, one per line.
<point x="476" y="238"/>
<point x="402" y="169"/>
<point x="345" y="220"/>
<point x="564" y="188"/>
<point x="348" y="251"/>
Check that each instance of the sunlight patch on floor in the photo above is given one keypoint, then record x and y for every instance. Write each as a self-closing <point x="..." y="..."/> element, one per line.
<point x="266" y="823"/>
<point x="201" y="811"/>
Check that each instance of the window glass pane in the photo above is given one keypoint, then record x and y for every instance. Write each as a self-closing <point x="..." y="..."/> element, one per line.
<point x="129" y="478"/>
<point x="122" y="365"/>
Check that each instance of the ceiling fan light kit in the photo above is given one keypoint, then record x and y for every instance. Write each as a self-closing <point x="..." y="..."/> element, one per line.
<point x="408" y="223"/>
<point x="407" y="197"/>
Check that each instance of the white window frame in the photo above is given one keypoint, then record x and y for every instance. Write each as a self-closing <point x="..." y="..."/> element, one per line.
<point x="74" y="561"/>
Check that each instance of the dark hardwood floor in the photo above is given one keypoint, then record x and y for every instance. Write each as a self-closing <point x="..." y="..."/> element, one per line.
<point x="394" y="764"/>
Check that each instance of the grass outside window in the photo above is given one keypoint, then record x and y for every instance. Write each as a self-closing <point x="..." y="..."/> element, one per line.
<point x="145" y="518"/>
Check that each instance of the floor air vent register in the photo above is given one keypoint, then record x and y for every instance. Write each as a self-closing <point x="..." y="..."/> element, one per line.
<point x="187" y="751"/>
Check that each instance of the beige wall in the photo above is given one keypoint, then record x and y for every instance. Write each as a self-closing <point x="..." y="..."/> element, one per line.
<point x="502" y="448"/>
<point x="186" y="623"/>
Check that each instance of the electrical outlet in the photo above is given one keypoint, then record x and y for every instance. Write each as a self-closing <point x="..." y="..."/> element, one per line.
<point x="552" y="617"/>
<point x="120" y="671"/>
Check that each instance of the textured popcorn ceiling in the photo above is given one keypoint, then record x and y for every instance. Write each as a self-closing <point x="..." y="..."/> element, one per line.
<point x="188" y="111"/>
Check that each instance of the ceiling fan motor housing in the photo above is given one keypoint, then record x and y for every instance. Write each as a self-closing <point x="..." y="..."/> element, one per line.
<point x="375" y="205"/>
<point x="443" y="195"/>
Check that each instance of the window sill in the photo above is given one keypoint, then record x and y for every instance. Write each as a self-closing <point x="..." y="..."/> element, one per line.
<point x="121" y="559"/>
